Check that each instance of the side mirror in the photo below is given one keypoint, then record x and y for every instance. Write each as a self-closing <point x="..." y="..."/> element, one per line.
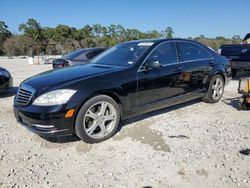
<point x="152" y="65"/>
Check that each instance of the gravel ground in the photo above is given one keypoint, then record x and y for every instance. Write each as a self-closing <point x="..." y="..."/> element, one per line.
<point x="190" y="145"/>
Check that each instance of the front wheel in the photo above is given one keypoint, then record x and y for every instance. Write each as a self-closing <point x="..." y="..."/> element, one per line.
<point x="98" y="119"/>
<point x="215" y="90"/>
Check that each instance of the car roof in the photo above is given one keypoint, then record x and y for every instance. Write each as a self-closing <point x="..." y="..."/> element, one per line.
<point x="93" y="48"/>
<point x="159" y="40"/>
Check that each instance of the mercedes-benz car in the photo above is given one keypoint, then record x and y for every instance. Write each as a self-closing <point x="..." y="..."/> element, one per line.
<point x="129" y="79"/>
<point x="80" y="56"/>
<point x="6" y="80"/>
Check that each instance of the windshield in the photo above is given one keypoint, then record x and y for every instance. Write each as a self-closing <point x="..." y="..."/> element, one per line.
<point x="124" y="54"/>
<point x="74" y="54"/>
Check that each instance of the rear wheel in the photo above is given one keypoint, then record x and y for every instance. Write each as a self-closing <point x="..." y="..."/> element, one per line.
<point x="215" y="90"/>
<point x="98" y="119"/>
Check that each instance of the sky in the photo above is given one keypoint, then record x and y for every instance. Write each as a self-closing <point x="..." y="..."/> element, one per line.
<point x="188" y="18"/>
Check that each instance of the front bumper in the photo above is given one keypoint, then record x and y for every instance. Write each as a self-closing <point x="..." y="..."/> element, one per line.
<point x="45" y="121"/>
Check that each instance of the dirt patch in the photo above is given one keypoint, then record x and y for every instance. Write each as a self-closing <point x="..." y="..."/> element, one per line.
<point x="202" y="172"/>
<point x="145" y="135"/>
<point x="83" y="147"/>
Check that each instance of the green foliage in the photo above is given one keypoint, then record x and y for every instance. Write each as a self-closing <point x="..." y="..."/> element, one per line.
<point x="4" y="35"/>
<point x="37" y="39"/>
<point x="33" y="30"/>
<point x="168" y="32"/>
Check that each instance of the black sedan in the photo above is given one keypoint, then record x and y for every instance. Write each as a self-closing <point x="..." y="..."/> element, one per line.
<point x="6" y="80"/>
<point x="81" y="56"/>
<point x="129" y="79"/>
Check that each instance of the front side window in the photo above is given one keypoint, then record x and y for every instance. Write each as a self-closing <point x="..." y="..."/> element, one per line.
<point x="125" y="54"/>
<point x="165" y="53"/>
<point x="191" y="51"/>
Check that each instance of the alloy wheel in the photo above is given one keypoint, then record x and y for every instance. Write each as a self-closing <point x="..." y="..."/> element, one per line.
<point x="99" y="120"/>
<point x="217" y="88"/>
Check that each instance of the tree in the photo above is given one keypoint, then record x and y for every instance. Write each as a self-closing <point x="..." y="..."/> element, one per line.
<point x="33" y="30"/>
<point x="17" y="45"/>
<point x="4" y="35"/>
<point x="168" y="32"/>
<point x="153" y="34"/>
<point x="236" y="39"/>
<point x="64" y="38"/>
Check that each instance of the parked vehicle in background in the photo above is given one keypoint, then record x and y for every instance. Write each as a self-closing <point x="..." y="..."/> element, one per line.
<point x="6" y="80"/>
<point x="129" y="79"/>
<point x="81" y="56"/>
<point x="48" y="61"/>
<point x="238" y="54"/>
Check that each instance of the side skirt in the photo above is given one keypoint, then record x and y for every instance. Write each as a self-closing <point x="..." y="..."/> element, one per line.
<point x="163" y="104"/>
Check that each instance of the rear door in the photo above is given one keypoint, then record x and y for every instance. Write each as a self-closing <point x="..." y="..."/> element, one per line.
<point x="197" y="65"/>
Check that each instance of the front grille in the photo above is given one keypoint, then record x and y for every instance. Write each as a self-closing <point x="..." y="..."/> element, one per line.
<point x="24" y="95"/>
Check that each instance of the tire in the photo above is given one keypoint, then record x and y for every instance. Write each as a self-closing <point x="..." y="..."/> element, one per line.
<point x="234" y="72"/>
<point x="98" y="119"/>
<point x="215" y="92"/>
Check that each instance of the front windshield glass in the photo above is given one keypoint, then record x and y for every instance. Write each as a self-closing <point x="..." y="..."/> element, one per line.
<point x="74" y="54"/>
<point x="124" y="54"/>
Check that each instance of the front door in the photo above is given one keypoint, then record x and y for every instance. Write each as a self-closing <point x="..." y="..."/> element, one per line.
<point x="159" y="77"/>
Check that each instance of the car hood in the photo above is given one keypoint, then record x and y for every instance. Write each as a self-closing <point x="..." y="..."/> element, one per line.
<point x="61" y="77"/>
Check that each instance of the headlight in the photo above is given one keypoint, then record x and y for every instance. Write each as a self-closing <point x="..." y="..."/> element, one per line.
<point x="56" y="97"/>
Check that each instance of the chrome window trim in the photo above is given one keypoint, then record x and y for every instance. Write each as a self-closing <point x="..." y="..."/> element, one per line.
<point x="178" y="62"/>
<point x="181" y="62"/>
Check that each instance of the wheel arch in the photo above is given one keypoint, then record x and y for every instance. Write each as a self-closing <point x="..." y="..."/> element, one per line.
<point x="217" y="73"/>
<point x="110" y="94"/>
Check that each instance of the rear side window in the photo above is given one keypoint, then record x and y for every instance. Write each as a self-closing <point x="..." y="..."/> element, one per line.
<point x="165" y="53"/>
<point x="191" y="51"/>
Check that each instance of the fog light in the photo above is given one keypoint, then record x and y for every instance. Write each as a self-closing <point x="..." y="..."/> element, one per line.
<point x="70" y="113"/>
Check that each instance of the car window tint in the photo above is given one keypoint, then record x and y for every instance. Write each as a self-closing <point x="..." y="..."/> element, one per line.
<point x="89" y="55"/>
<point x="124" y="54"/>
<point x="191" y="51"/>
<point x="97" y="52"/>
<point x="74" y="54"/>
<point x="82" y="56"/>
<point x="165" y="53"/>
